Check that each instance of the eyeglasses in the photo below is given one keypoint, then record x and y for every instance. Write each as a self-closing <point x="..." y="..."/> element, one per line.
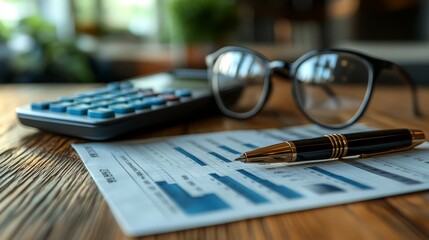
<point x="332" y="88"/>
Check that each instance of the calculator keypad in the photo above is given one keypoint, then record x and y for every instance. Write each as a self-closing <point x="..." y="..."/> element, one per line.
<point x="115" y="100"/>
<point x="137" y="104"/>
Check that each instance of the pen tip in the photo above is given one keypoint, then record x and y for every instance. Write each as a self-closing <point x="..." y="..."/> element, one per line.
<point x="242" y="158"/>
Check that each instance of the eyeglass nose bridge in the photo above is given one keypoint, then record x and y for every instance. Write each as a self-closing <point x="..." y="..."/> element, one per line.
<point x="280" y="67"/>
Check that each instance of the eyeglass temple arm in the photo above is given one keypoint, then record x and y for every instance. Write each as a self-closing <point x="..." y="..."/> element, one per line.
<point x="412" y="84"/>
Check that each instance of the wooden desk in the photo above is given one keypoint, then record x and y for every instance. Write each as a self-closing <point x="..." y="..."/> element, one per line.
<point x="46" y="192"/>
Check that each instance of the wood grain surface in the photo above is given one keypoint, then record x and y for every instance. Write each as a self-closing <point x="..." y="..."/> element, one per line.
<point x="46" y="192"/>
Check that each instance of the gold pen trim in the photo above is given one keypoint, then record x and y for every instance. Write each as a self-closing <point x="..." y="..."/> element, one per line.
<point x="292" y="150"/>
<point x="339" y="145"/>
<point x="281" y="152"/>
<point x="333" y="143"/>
<point x="417" y="137"/>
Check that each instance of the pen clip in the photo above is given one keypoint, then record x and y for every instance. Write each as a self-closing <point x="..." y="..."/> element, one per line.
<point x="365" y="155"/>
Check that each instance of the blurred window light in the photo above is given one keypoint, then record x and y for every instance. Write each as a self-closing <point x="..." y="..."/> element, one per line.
<point x="138" y="17"/>
<point x="13" y="11"/>
<point x="21" y="43"/>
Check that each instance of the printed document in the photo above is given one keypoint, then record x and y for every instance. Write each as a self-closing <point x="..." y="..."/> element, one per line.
<point x="181" y="182"/>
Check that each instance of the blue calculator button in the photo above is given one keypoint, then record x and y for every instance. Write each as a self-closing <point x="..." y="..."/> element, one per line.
<point x="155" y="101"/>
<point x="40" y="105"/>
<point x="135" y="96"/>
<point x="79" y="110"/>
<point x="86" y="94"/>
<point x="113" y="85"/>
<point x="140" y="105"/>
<point x="100" y="104"/>
<point x="59" y="106"/>
<point x="126" y="85"/>
<point x="103" y="97"/>
<point x="119" y="100"/>
<point x="129" y="91"/>
<point x="167" y="91"/>
<point x="66" y="99"/>
<point x="101" y="113"/>
<point x="98" y="98"/>
<point x="83" y="100"/>
<point x="183" y="93"/>
<point x="122" y="108"/>
<point x="115" y="94"/>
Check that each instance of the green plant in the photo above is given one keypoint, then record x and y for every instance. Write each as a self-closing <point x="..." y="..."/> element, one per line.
<point x="39" y="55"/>
<point x="197" y="21"/>
<point x="4" y="33"/>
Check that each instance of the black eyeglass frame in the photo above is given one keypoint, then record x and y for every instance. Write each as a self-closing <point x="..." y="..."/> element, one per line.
<point x="288" y="71"/>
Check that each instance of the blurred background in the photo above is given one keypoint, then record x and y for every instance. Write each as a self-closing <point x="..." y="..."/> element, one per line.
<point x="110" y="40"/>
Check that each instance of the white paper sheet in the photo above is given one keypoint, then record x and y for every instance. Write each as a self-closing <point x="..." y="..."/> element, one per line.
<point x="181" y="182"/>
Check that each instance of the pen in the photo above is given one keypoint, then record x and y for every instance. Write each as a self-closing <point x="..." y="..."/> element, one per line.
<point x="336" y="146"/>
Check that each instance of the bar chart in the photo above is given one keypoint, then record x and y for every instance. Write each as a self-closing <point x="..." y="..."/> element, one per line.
<point x="188" y="181"/>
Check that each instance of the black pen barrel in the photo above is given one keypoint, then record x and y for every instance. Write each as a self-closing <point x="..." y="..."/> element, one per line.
<point x="378" y="141"/>
<point x="313" y="148"/>
<point x="352" y="144"/>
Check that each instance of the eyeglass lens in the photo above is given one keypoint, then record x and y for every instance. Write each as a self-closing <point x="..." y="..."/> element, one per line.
<point x="322" y="85"/>
<point x="239" y="79"/>
<point x="332" y="88"/>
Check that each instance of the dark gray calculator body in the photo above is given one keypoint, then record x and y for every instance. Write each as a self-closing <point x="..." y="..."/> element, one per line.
<point x="121" y="107"/>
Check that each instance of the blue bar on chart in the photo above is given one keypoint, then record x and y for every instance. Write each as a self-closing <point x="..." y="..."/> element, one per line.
<point x="324" y="188"/>
<point x="383" y="173"/>
<point x="192" y="205"/>
<point x="241" y="189"/>
<point x="282" y="190"/>
<point x="249" y="145"/>
<point x="217" y="155"/>
<point x="228" y="149"/>
<point x="190" y="155"/>
<point x="341" y="178"/>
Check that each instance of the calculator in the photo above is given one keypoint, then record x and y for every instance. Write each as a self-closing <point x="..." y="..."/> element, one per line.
<point x="119" y="107"/>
